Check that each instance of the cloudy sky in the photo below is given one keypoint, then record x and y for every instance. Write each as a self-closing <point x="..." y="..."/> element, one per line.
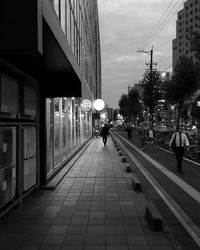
<point x="125" y="27"/>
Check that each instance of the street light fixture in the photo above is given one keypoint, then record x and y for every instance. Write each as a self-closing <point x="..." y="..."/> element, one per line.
<point x="99" y="104"/>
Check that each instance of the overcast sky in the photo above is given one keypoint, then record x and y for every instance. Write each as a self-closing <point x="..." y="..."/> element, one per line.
<point x="124" y="27"/>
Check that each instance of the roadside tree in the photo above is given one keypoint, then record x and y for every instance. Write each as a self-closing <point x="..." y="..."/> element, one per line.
<point x="183" y="85"/>
<point x="150" y="86"/>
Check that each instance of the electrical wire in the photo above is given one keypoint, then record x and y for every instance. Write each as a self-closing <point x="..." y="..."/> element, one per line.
<point x="139" y="58"/>
<point x="161" y="28"/>
<point x="149" y="35"/>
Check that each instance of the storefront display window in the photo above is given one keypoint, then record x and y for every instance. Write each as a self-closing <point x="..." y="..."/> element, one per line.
<point x="57" y="132"/>
<point x="50" y="134"/>
<point x="67" y="128"/>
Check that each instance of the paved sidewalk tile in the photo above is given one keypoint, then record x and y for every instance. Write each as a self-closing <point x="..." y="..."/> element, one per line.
<point x="94" y="207"/>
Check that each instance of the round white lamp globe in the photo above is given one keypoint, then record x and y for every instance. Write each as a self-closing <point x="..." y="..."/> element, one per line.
<point x="99" y="104"/>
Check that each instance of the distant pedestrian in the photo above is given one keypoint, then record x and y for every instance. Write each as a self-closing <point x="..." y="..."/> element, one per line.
<point x="151" y="137"/>
<point x="104" y="133"/>
<point x="141" y="134"/>
<point x="129" y="131"/>
<point x="177" y="143"/>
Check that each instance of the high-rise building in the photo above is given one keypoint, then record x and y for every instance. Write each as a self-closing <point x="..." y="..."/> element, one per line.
<point x="50" y="61"/>
<point x="187" y="20"/>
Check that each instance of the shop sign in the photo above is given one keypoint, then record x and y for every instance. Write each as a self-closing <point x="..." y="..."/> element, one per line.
<point x="86" y="104"/>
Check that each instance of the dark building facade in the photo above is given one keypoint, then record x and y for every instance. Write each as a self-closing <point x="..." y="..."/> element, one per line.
<point x="50" y="61"/>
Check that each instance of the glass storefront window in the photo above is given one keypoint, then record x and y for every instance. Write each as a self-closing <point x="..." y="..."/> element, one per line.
<point x="50" y="134"/>
<point x="57" y="132"/>
<point x="73" y="124"/>
<point x="77" y="121"/>
<point x="67" y="127"/>
<point x="66" y="135"/>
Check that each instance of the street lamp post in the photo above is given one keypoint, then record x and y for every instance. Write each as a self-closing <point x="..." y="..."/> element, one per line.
<point x="98" y="105"/>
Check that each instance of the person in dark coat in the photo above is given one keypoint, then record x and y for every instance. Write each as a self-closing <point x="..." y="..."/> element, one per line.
<point x="129" y="131"/>
<point x="104" y="133"/>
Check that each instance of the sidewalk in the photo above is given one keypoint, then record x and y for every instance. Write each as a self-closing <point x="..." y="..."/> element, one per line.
<point x="93" y="208"/>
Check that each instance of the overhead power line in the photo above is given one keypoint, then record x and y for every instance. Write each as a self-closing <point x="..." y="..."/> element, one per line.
<point x="154" y="28"/>
<point x="163" y="25"/>
<point x="162" y="21"/>
<point x="167" y="68"/>
<point x="140" y="59"/>
<point x="159" y="27"/>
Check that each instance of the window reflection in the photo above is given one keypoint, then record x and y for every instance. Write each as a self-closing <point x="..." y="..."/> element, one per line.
<point x="57" y="132"/>
<point x="50" y="134"/>
<point x="67" y="127"/>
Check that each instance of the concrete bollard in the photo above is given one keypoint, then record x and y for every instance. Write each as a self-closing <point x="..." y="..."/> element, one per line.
<point x="123" y="159"/>
<point x="128" y="168"/>
<point x="153" y="217"/>
<point x="120" y="153"/>
<point x="136" y="184"/>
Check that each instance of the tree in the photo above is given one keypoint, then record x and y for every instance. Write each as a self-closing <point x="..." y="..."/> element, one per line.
<point x="124" y="106"/>
<point x="183" y="85"/>
<point x="134" y="102"/>
<point x="150" y="85"/>
<point x="130" y="104"/>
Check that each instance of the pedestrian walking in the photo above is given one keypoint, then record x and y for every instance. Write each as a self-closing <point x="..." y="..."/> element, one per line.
<point x="142" y="138"/>
<point x="104" y="133"/>
<point x="177" y="143"/>
<point x="151" y="137"/>
<point x="129" y="131"/>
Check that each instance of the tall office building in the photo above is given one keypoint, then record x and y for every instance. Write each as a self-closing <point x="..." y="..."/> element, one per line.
<point x="188" y="19"/>
<point x="50" y="61"/>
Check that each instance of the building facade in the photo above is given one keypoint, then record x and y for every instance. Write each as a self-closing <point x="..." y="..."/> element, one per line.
<point x="50" y="60"/>
<point x="187" y="21"/>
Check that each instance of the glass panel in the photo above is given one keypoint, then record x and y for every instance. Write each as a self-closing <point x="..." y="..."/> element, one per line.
<point x="65" y="129"/>
<point x="72" y="33"/>
<point x="75" y="43"/>
<point x="63" y="17"/>
<point x="77" y="120"/>
<point x="73" y="125"/>
<point x="50" y="134"/>
<point x="57" y="7"/>
<point x="68" y="22"/>
<point x="57" y="132"/>
<point x="69" y="122"/>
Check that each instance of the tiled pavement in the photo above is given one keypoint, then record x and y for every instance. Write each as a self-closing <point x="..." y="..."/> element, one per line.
<point x="93" y="208"/>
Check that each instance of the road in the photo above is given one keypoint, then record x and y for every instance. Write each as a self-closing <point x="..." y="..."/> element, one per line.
<point x="177" y="196"/>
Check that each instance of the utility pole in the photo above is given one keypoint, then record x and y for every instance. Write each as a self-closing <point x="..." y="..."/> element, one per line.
<point x="149" y="52"/>
<point x="150" y="64"/>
